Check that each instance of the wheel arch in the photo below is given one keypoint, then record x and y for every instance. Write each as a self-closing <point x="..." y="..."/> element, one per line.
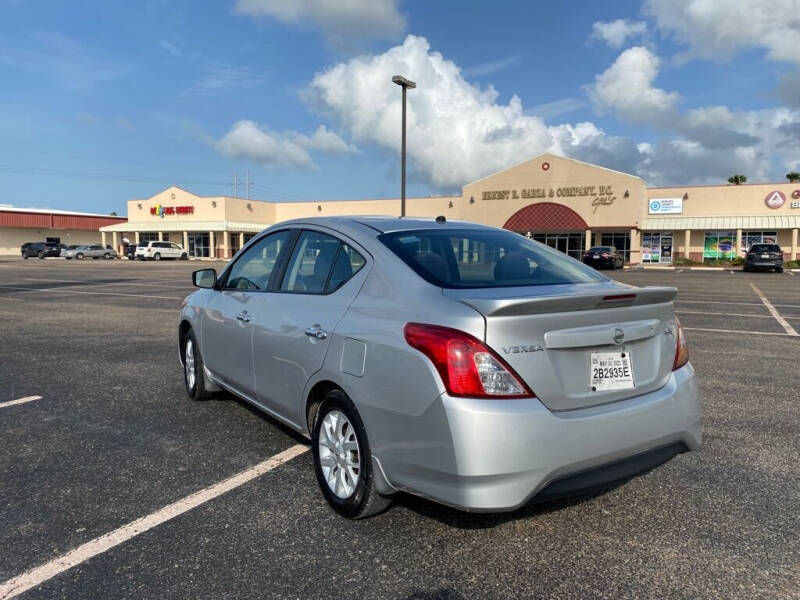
<point x="314" y="399"/>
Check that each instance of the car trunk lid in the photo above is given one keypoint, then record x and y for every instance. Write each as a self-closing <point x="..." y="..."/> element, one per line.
<point x="548" y="334"/>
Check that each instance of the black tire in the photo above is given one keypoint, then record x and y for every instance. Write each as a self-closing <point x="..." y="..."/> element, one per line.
<point x="157" y="256"/>
<point x="106" y="256"/>
<point x="68" y="257"/>
<point x="779" y="270"/>
<point x="197" y="390"/>
<point x="184" y="256"/>
<point x="40" y="255"/>
<point x="365" y="500"/>
<point x="79" y="256"/>
<point x="25" y="256"/>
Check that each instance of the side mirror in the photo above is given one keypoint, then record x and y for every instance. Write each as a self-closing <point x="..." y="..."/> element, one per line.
<point x="204" y="278"/>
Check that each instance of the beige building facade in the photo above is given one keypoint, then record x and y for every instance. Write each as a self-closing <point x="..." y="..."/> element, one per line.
<point x="567" y="204"/>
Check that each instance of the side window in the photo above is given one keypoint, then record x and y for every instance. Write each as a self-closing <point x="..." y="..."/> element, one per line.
<point x="311" y="263"/>
<point x="348" y="263"/>
<point x="175" y="246"/>
<point x="253" y="269"/>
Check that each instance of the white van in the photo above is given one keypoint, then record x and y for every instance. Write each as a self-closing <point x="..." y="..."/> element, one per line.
<point x="159" y="250"/>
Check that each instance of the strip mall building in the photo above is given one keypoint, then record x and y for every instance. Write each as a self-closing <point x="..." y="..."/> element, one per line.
<point x="567" y="204"/>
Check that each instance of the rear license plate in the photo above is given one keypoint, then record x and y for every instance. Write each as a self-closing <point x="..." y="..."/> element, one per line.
<point x="611" y="371"/>
<point x="597" y="256"/>
<point x="765" y="256"/>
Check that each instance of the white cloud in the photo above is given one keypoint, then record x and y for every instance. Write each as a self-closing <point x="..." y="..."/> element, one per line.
<point x="340" y="20"/>
<point x="491" y="66"/>
<point x="626" y="87"/>
<point x="221" y="77"/>
<point x="457" y="131"/>
<point x="73" y="65"/>
<point x="259" y="144"/>
<point x="559" y="107"/>
<point x="170" y="48"/>
<point x="616" y="33"/>
<point x="721" y="28"/>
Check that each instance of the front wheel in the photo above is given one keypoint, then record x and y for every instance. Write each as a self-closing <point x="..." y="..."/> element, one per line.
<point x="184" y="256"/>
<point x="40" y="255"/>
<point x="157" y="256"/>
<point x="79" y="256"/>
<point x="779" y="270"/>
<point x="343" y="461"/>
<point x="193" y="373"/>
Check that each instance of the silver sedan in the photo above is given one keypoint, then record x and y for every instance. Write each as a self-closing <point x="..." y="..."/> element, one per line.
<point x="463" y="363"/>
<point x="89" y="251"/>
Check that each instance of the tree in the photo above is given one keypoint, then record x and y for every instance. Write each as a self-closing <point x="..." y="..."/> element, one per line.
<point x="793" y="177"/>
<point x="113" y="213"/>
<point x="737" y="179"/>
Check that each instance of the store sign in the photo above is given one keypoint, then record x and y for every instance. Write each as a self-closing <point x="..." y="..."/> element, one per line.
<point x="665" y="206"/>
<point x="775" y="199"/>
<point x="159" y="210"/>
<point x="602" y="195"/>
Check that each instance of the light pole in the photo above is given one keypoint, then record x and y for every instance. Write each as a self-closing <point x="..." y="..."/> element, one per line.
<point x="405" y="84"/>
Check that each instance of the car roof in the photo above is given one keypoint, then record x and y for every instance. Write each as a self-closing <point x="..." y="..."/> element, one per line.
<point x="386" y="224"/>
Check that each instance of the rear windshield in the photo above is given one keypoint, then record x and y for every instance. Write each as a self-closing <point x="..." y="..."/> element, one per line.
<point x="600" y="249"/>
<point x="480" y="258"/>
<point x="765" y="248"/>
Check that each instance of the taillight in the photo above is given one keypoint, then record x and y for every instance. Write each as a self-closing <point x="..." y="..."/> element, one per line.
<point x="681" y="348"/>
<point x="467" y="367"/>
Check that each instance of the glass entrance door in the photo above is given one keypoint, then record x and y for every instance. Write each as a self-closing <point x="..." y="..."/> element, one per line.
<point x="198" y="244"/>
<point x="657" y="247"/>
<point x="568" y="243"/>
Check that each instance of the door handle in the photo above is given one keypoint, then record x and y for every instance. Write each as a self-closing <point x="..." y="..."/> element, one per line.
<point x="316" y="332"/>
<point x="243" y="316"/>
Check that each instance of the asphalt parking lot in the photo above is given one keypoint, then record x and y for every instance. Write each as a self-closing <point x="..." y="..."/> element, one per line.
<point x="112" y="438"/>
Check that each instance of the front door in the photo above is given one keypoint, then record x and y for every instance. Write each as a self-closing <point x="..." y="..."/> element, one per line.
<point x="293" y="333"/>
<point x="230" y="315"/>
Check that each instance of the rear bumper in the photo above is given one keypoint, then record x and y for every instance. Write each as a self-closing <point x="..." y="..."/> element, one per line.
<point x="506" y="453"/>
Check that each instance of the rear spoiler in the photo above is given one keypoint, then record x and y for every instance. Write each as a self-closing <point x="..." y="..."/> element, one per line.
<point x="507" y="307"/>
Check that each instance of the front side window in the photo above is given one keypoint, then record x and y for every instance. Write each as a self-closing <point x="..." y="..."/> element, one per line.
<point x="311" y="262"/>
<point x="252" y="270"/>
<point x="496" y="259"/>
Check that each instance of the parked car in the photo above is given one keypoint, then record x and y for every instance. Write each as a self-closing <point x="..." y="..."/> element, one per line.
<point x="522" y="376"/>
<point x="160" y="250"/>
<point x="40" y="249"/>
<point x="606" y="257"/>
<point x="90" y="251"/>
<point x="764" y="256"/>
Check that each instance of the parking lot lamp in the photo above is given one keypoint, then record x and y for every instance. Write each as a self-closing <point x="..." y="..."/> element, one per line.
<point x="405" y="84"/>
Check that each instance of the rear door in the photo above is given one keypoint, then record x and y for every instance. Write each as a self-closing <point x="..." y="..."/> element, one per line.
<point x="231" y="313"/>
<point x="293" y="332"/>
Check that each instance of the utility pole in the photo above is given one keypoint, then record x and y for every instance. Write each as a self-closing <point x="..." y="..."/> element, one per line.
<point x="403" y="83"/>
<point x="235" y="185"/>
<point x="247" y="186"/>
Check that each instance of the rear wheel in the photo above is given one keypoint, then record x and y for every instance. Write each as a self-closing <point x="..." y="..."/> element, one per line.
<point x="157" y="256"/>
<point x="107" y="255"/>
<point x="193" y="373"/>
<point x="40" y="255"/>
<point x="25" y="256"/>
<point x="79" y="256"/>
<point x="343" y="461"/>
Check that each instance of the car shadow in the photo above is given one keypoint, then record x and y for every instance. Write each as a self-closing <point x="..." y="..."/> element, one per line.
<point x="460" y="519"/>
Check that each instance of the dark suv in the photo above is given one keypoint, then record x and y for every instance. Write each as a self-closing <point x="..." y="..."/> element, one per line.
<point x="40" y="249"/>
<point x="603" y="257"/>
<point x="764" y="256"/>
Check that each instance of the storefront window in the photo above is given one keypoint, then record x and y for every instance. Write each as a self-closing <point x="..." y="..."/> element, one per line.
<point x="719" y="244"/>
<point x="148" y="236"/>
<point x="657" y="247"/>
<point x="198" y="244"/>
<point x="758" y="237"/>
<point x="620" y="240"/>
<point x="573" y="244"/>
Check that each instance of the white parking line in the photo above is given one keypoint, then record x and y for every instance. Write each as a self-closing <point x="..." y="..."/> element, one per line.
<point x="24" y="289"/>
<point x="19" y="401"/>
<point x="781" y="321"/>
<point x="21" y="583"/>
<point x="724" y="314"/>
<point x="737" y="331"/>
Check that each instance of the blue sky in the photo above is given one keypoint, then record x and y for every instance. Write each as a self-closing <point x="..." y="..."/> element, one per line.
<point x="104" y="102"/>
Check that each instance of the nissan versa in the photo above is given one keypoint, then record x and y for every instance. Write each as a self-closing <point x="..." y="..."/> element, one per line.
<point x="463" y="363"/>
